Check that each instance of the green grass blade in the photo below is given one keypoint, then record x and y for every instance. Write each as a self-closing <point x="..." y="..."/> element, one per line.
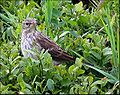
<point x="110" y="34"/>
<point x="48" y="13"/>
<point x="111" y="78"/>
<point x="118" y="44"/>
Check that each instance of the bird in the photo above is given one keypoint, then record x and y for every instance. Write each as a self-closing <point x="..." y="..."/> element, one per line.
<point x="32" y="38"/>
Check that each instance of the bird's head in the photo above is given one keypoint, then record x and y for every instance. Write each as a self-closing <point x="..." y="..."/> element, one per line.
<point x="29" y="24"/>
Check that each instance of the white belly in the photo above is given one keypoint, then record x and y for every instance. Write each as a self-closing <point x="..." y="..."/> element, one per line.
<point x="28" y="46"/>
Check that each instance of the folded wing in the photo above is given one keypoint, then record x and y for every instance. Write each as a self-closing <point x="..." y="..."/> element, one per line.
<point x="56" y="52"/>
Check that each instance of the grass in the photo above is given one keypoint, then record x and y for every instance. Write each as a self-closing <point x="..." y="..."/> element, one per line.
<point x="81" y="33"/>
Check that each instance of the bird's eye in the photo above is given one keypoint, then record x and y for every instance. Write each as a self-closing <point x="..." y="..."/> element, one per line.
<point x="27" y="23"/>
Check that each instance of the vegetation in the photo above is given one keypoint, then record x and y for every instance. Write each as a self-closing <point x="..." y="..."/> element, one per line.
<point x="90" y="35"/>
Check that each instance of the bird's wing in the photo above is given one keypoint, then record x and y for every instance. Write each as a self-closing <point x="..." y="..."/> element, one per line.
<point x="56" y="52"/>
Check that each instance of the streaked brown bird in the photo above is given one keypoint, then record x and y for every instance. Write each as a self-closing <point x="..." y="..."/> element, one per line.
<point x="31" y="38"/>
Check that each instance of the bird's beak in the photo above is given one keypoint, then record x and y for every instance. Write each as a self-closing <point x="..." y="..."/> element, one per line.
<point x="34" y="22"/>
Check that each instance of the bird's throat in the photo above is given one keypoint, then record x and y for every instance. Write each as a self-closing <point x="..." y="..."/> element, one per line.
<point x="28" y="32"/>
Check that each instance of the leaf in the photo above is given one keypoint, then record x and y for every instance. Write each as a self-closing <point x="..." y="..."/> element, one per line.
<point x="34" y="79"/>
<point x="71" y="90"/>
<point x="78" y="62"/>
<point x="97" y="82"/>
<point x="79" y="7"/>
<point x="2" y="87"/>
<point x="50" y="84"/>
<point x="12" y="17"/>
<point x="15" y="70"/>
<point x="17" y="31"/>
<point x="57" y="92"/>
<point x="80" y="71"/>
<point x="107" y="51"/>
<point x="40" y="84"/>
<point x="22" y="85"/>
<point x="46" y="69"/>
<point x="28" y="86"/>
<point x="4" y="17"/>
<point x="18" y="57"/>
<point x="97" y="55"/>
<point x="29" y="70"/>
<point x="48" y="12"/>
<point x="70" y="70"/>
<point x="37" y="83"/>
<point x="90" y="79"/>
<point x="64" y="33"/>
<point x="56" y="12"/>
<point x="74" y="33"/>
<point x="96" y="48"/>
<point x="20" y="78"/>
<point x="48" y="59"/>
<point x="93" y="90"/>
<point x="58" y="77"/>
<point x="73" y="23"/>
<point x="66" y="82"/>
<point x="75" y="69"/>
<point x="27" y="91"/>
<point x="112" y="79"/>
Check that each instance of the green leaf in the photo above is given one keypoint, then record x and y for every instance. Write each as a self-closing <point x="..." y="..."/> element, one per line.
<point x="57" y="91"/>
<point x="73" y="23"/>
<point x="64" y="33"/>
<point x="107" y="51"/>
<point x="78" y="62"/>
<point x="8" y="13"/>
<point x="71" y="90"/>
<point x="93" y="90"/>
<point x="50" y="84"/>
<point x="80" y="71"/>
<point x="15" y="70"/>
<point x="18" y="57"/>
<point x="20" y="78"/>
<point x="58" y="77"/>
<point x="110" y="77"/>
<point x="74" y="33"/>
<point x="48" y="13"/>
<point x="22" y="85"/>
<point x="90" y="79"/>
<point x="27" y="91"/>
<point x="79" y="7"/>
<point x="65" y="82"/>
<point x="28" y="86"/>
<point x="97" y="55"/>
<point x="28" y="70"/>
<point x="70" y="70"/>
<point x="97" y="82"/>
<point x="56" y="12"/>
<point x="48" y="59"/>
<point x="4" y="17"/>
<point x="40" y="84"/>
<point x="34" y="79"/>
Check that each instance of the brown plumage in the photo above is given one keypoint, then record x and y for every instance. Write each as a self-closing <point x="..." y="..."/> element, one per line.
<point x="32" y="38"/>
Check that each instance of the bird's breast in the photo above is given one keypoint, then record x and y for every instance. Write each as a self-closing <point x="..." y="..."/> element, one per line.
<point x="27" y="45"/>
